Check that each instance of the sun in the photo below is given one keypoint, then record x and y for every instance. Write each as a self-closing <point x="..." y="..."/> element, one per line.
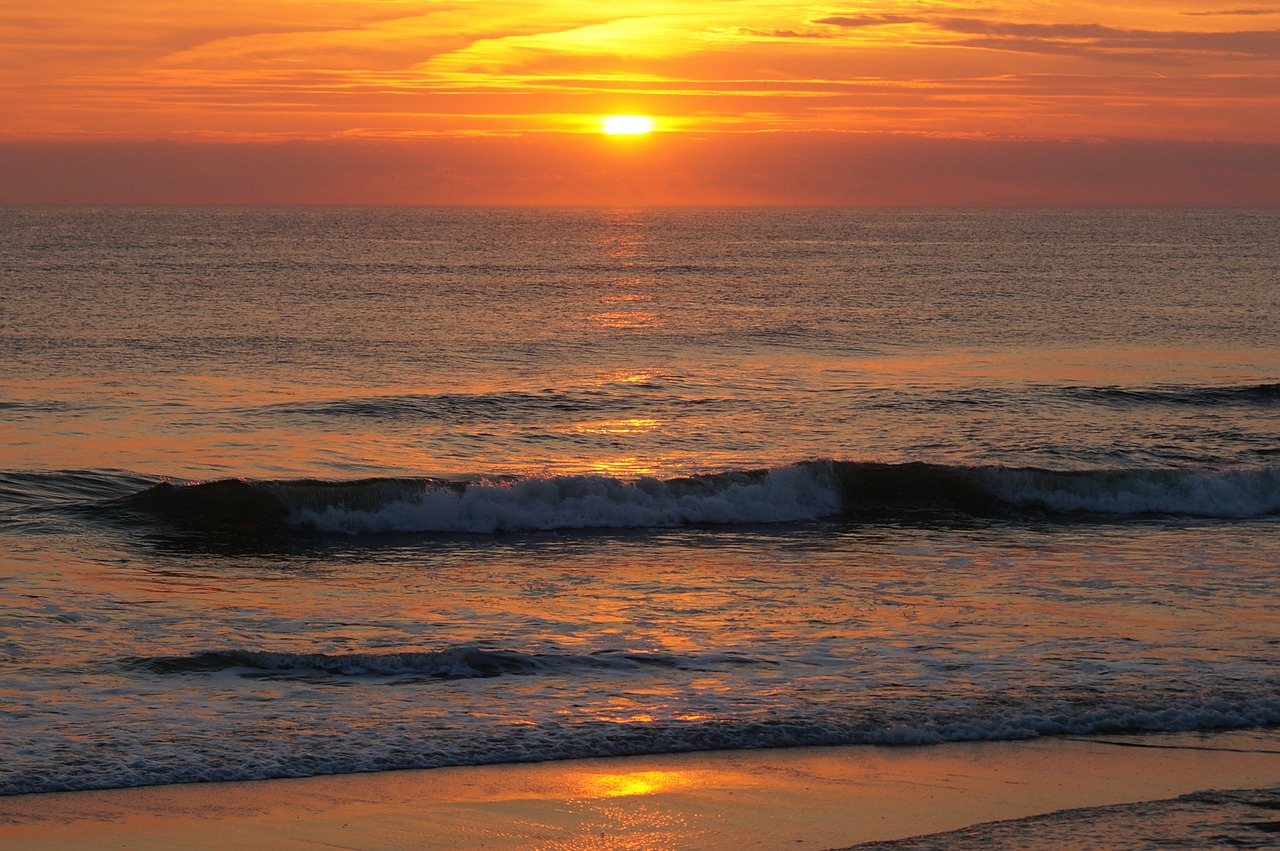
<point x="626" y="125"/>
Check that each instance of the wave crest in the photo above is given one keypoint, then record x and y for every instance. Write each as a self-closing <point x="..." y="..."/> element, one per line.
<point x="1234" y="494"/>
<point x="796" y="493"/>
<point x="462" y="662"/>
<point x="802" y="492"/>
<point x="1266" y="394"/>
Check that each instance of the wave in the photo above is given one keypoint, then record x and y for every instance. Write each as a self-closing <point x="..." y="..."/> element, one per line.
<point x="24" y="492"/>
<point x="801" y="492"/>
<point x="1228" y="494"/>
<point x="246" y="754"/>
<point x="797" y="493"/>
<point x="1265" y="394"/>
<point x="15" y="409"/>
<point x="472" y="407"/>
<point x="463" y="662"/>
<point x="554" y="404"/>
<point x="495" y="407"/>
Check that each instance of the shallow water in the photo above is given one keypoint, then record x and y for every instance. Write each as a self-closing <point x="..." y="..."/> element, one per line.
<point x="301" y="491"/>
<point x="1201" y="820"/>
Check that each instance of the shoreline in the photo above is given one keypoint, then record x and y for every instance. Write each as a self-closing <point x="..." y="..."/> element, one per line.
<point x="810" y="797"/>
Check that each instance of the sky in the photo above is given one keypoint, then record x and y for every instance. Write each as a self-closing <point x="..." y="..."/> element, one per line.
<point x="472" y="101"/>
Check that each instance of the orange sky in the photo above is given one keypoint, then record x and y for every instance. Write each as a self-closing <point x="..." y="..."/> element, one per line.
<point x="469" y="84"/>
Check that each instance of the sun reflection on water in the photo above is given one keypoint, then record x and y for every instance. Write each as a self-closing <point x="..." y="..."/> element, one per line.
<point x="625" y="319"/>
<point x="641" y="377"/>
<point x="635" y="783"/>
<point x="635" y="425"/>
<point x="625" y="468"/>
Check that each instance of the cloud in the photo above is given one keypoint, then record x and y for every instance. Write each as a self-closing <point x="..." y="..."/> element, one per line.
<point x="1109" y="42"/>
<point x="244" y="69"/>
<point x="1214" y="13"/>
<point x="761" y="32"/>
<point x="1087" y="40"/>
<point x="857" y="21"/>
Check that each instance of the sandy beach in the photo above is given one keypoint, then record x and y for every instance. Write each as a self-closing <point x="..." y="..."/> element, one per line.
<point x="789" y="798"/>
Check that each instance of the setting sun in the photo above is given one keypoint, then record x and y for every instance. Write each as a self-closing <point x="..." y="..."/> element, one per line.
<point x="627" y="125"/>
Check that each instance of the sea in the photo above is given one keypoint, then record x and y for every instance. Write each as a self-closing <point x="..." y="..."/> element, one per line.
<point x="301" y="491"/>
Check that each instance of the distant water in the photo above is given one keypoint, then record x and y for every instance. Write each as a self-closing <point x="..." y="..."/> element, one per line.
<point x="287" y="492"/>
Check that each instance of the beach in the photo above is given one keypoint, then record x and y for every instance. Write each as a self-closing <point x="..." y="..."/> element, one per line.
<point x="783" y="798"/>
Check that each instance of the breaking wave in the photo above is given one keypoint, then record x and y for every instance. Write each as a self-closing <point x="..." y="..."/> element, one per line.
<point x="397" y="745"/>
<point x="797" y="493"/>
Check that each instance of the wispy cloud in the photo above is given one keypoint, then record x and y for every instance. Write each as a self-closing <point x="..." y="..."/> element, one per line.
<point x="763" y="32"/>
<point x="1217" y="12"/>
<point x="301" y="69"/>
<point x="1087" y="40"/>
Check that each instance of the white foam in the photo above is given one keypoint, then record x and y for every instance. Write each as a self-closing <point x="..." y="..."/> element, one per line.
<point x="241" y="751"/>
<point x="796" y="493"/>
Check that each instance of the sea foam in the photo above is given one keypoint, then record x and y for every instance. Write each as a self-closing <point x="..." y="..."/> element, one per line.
<point x="788" y="494"/>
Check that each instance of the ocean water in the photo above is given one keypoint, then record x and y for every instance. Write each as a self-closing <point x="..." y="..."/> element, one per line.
<point x="288" y="492"/>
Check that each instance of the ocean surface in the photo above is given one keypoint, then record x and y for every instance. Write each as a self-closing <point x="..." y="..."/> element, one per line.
<point x="287" y="492"/>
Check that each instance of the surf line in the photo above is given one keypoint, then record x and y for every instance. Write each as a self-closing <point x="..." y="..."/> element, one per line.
<point x="1167" y="747"/>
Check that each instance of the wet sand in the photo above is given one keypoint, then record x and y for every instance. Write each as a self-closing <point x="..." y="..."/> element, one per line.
<point x="793" y="798"/>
